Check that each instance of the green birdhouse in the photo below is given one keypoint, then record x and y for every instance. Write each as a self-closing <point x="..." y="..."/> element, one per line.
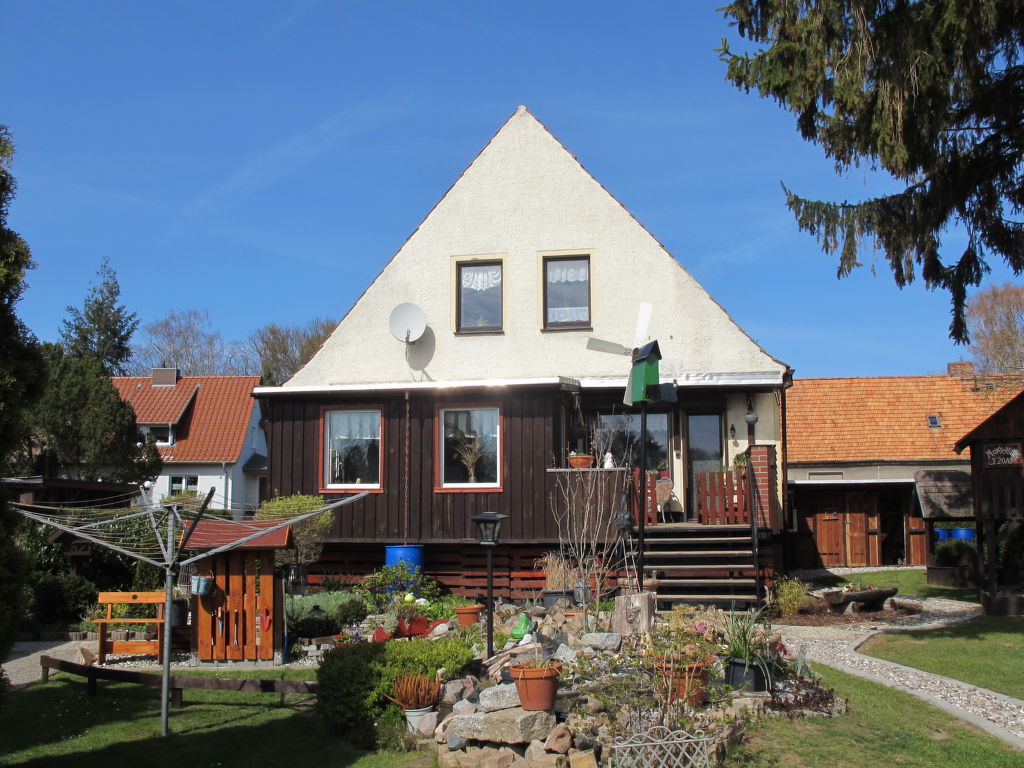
<point x="644" y="378"/>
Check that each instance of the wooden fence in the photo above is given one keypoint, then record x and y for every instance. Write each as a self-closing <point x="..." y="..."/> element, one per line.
<point x="723" y="498"/>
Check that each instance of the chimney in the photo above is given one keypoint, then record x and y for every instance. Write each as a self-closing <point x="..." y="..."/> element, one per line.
<point x="960" y="369"/>
<point x="165" y="377"/>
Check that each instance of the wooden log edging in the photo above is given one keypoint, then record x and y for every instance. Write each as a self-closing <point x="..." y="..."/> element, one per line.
<point x="179" y="683"/>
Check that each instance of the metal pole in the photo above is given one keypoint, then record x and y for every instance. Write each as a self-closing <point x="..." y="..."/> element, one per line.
<point x="643" y="486"/>
<point x="490" y="602"/>
<point x="169" y="568"/>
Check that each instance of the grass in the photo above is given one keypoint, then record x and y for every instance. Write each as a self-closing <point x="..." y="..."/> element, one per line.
<point x="885" y="727"/>
<point x="912" y="583"/>
<point x="986" y="652"/>
<point x="58" y="725"/>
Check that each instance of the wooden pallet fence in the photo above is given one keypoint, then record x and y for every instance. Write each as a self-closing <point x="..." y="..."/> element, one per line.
<point x="723" y="498"/>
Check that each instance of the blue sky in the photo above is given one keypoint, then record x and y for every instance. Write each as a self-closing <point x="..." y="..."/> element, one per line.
<point x="263" y="160"/>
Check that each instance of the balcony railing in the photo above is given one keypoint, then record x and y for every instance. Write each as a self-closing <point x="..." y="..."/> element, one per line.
<point x="723" y="498"/>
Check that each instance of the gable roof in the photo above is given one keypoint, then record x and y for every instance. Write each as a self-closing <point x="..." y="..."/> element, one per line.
<point x="523" y="196"/>
<point x="213" y="429"/>
<point x="885" y="418"/>
<point x="993" y="419"/>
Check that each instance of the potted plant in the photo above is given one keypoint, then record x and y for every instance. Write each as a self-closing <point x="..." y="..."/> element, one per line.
<point x="746" y="654"/>
<point x="536" y="682"/>
<point x="580" y="460"/>
<point x="467" y="611"/>
<point x="560" y="578"/>
<point x="416" y="694"/>
<point x="682" y="654"/>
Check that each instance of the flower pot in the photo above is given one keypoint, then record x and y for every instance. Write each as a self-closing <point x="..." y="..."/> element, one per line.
<point x="552" y="596"/>
<point x="747" y="676"/>
<point x="413" y="717"/>
<point x="581" y="461"/>
<point x="201" y="585"/>
<point x="537" y="686"/>
<point x="468" y="615"/>
<point x="685" y="681"/>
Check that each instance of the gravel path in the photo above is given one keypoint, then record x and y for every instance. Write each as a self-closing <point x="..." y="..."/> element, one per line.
<point x="836" y="646"/>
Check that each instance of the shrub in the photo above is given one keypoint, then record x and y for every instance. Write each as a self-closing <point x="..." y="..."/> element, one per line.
<point x="56" y="600"/>
<point x="948" y="553"/>
<point x="354" y="681"/>
<point x="381" y="586"/>
<point x="350" y="611"/>
<point x="789" y="594"/>
<point x="313" y="626"/>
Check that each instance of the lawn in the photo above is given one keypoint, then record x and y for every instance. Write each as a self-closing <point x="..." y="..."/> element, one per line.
<point x="986" y="652"/>
<point x="909" y="582"/>
<point x="885" y="727"/>
<point x="58" y="724"/>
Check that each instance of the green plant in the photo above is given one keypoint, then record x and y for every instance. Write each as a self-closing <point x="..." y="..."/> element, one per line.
<point x="383" y="585"/>
<point x="559" y="572"/>
<point x="691" y="633"/>
<point x="948" y="553"/>
<point x="415" y="691"/>
<point x="788" y="594"/>
<point x="350" y="611"/>
<point x="56" y="600"/>
<point x="307" y="534"/>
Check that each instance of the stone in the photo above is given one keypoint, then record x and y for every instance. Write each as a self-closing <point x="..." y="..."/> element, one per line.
<point x="497" y="758"/>
<point x="455" y="742"/>
<point x="522" y="762"/>
<point x="583" y="742"/>
<point x="448" y="759"/>
<point x="427" y="724"/>
<point x="441" y="630"/>
<point x="467" y="706"/>
<point x="551" y="761"/>
<point x="535" y="751"/>
<point x="499" y="697"/>
<point x="440" y="733"/>
<point x="606" y="641"/>
<point x="564" y="654"/>
<point x="586" y="759"/>
<point x="559" y="740"/>
<point x="506" y="726"/>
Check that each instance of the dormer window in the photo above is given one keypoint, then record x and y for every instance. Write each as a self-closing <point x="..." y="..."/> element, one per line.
<point x="567" y="292"/>
<point x="933" y="421"/>
<point x="163" y="434"/>
<point x="479" y="297"/>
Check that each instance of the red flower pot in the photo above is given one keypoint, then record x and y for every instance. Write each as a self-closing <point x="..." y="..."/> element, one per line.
<point x="582" y="461"/>
<point x="468" y="615"/>
<point x="685" y="681"/>
<point x="537" y="686"/>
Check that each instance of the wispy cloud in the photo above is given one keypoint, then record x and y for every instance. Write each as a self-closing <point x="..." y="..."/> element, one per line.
<point x="296" y="12"/>
<point x="262" y="169"/>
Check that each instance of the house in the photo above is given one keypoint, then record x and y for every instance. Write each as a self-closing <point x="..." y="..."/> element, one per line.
<point x="870" y="460"/>
<point x="207" y="431"/>
<point x="526" y="282"/>
<point x="997" y="470"/>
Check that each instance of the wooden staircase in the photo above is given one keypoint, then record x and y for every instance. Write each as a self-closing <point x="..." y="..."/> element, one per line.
<point x="693" y="563"/>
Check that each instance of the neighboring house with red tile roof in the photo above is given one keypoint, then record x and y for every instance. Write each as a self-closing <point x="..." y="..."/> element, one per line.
<point x="870" y="459"/>
<point x="207" y="431"/>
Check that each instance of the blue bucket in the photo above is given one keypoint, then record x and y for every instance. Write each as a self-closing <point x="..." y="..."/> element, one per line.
<point x="410" y="554"/>
<point x="942" y="534"/>
<point x="963" y="534"/>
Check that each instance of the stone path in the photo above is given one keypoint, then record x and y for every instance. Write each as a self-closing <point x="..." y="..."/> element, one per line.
<point x="836" y="646"/>
<point x="23" y="665"/>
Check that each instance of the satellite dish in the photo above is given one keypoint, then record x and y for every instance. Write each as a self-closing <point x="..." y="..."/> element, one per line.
<point x="407" y="322"/>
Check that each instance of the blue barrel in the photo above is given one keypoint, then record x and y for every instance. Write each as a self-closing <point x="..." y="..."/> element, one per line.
<point x="963" y="534"/>
<point x="411" y="554"/>
<point x="942" y="534"/>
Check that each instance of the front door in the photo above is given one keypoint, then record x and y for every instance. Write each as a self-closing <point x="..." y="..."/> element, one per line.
<point x="829" y="529"/>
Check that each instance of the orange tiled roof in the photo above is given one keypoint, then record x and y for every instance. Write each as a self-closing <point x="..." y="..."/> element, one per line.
<point x="214" y="429"/>
<point x="885" y="418"/>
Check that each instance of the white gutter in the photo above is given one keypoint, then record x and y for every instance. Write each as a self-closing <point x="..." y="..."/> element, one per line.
<point x="681" y="380"/>
<point x="840" y="481"/>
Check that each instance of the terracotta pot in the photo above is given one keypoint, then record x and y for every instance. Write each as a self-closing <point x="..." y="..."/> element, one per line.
<point x="468" y="615"/>
<point x="685" y="681"/>
<point x="537" y="686"/>
<point x="581" y="461"/>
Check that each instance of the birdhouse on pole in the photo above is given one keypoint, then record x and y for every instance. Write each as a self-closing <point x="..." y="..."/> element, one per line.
<point x="644" y="378"/>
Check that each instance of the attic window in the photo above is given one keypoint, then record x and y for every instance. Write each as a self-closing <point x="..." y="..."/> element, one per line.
<point x="567" y="292"/>
<point x="933" y="421"/>
<point x="162" y="433"/>
<point x="479" y="297"/>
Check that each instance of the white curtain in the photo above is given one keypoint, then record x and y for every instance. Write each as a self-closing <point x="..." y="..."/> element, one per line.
<point x="568" y="271"/>
<point x="355" y="425"/>
<point x="481" y="278"/>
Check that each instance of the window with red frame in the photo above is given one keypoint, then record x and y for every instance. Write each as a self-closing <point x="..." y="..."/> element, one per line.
<point x="352" y="449"/>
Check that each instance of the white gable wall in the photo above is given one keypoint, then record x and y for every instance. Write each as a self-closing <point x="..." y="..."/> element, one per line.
<point x="525" y="196"/>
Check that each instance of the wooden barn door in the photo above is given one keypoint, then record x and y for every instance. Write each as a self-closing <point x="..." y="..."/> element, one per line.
<point x="829" y="535"/>
<point x="235" y="619"/>
<point x="859" y="508"/>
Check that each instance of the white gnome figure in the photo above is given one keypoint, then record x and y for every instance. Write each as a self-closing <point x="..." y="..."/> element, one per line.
<point x="609" y="461"/>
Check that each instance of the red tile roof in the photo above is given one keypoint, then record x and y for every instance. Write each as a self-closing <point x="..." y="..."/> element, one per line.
<point x="885" y="418"/>
<point x="213" y="429"/>
<point x="210" y="534"/>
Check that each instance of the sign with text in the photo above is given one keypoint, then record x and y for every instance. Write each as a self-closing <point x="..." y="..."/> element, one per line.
<point x="1003" y="455"/>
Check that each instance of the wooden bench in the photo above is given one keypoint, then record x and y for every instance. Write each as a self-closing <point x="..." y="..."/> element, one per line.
<point x="106" y="645"/>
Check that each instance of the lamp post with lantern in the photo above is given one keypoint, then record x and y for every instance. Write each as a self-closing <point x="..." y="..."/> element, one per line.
<point x="489" y="524"/>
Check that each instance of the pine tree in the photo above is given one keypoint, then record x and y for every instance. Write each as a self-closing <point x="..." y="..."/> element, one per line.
<point x="931" y="92"/>
<point x="103" y="328"/>
<point x="21" y="381"/>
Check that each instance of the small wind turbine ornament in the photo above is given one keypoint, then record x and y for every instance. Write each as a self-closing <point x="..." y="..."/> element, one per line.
<point x="643" y="386"/>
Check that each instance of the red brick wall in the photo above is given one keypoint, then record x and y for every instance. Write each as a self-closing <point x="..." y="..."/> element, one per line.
<point x="764" y="465"/>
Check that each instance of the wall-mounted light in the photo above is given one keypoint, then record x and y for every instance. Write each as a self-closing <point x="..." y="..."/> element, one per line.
<point x="732" y="431"/>
<point x="750" y="417"/>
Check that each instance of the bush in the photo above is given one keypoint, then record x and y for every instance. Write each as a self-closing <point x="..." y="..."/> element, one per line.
<point x="948" y="553"/>
<point x="354" y="681"/>
<point x="789" y="594"/>
<point x="351" y="611"/>
<point x="56" y="600"/>
<point x="382" y="586"/>
<point x="313" y="626"/>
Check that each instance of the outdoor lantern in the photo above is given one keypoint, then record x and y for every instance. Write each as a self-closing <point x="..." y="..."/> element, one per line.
<point x="316" y="612"/>
<point x="489" y="524"/>
<point x="750" y="416"/>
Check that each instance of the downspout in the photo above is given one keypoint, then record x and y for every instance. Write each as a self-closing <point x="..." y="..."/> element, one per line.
<point x="227" y="489"/>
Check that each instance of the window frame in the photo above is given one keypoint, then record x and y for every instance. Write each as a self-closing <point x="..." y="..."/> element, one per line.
<point x="477" y="329"/>
<point x="440" y="486"/>
<point x="156" y="440"/>
<point x="342" y="488"/>
<point x="184" y="485"/>
<point x="571" y="324"/>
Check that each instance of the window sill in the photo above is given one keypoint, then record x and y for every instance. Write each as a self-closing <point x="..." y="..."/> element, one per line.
<point x="349" y="490"/>
<point x="468" y="489"/>
<point x="481" y="332"/>
<point x="564" y="328"/>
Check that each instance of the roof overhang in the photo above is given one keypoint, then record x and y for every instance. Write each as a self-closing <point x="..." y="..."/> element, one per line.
<point x="945" y="493"/>
<point x="752" y="379"/>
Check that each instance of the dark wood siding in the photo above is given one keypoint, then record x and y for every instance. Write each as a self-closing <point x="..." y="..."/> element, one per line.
<point x="529" y="445"/>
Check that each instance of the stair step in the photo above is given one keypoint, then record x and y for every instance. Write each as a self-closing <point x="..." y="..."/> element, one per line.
<point x="699" y="553"/>
<point x="739" y="582"/>
<point x="694" y="539"/>
<point x="706" y="598"/>
<point x="699" y="567"/>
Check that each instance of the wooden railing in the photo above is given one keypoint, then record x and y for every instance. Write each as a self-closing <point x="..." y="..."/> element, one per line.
<point x="723" y="498"/>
